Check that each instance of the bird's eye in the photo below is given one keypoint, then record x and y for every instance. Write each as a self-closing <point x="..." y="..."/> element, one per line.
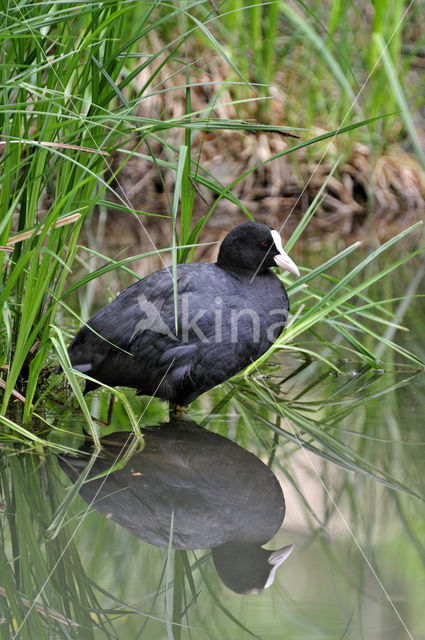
<point x="264" y="243"/>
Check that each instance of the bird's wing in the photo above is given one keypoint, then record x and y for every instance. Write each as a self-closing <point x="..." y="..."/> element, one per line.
<point x="116" y="324"/>
<point x="139" y="320"/>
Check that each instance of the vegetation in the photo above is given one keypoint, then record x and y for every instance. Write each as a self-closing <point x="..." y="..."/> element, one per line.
<point x="91" y="89"/>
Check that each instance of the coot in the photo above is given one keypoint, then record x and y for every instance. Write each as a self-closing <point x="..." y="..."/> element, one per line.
<point x="228" y="314"/>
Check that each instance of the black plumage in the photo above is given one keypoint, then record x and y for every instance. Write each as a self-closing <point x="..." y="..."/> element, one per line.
<point x="229" y="314"/>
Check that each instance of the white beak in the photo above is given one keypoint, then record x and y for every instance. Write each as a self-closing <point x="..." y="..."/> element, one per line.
<point x="276" y="559"/>
<point x="283" y="261"/>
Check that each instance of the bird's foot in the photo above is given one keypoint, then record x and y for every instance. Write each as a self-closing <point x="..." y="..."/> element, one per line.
<point x="177" y="410"/>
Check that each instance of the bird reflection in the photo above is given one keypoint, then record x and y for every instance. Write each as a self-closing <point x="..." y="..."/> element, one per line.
<point x="222" y="497"/>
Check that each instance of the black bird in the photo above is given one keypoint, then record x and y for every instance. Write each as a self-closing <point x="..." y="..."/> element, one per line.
<point x="228" y="314"/>
<point x="201" y="488"/>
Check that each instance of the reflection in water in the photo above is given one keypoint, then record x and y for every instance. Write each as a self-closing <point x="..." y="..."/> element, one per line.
<point x="222" y="497"/>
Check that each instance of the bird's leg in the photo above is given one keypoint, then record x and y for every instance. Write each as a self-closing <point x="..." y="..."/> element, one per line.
<point x="110" y="410"/>
<point x="176" y="410"/>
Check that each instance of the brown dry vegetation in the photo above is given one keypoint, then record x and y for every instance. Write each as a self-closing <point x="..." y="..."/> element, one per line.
<point x="368" y="195"/>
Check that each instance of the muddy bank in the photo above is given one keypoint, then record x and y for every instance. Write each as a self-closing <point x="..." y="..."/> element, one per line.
<point x="366" y="198"/>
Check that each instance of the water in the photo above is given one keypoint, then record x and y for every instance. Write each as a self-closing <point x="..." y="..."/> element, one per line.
<point x="346" y="449"/>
